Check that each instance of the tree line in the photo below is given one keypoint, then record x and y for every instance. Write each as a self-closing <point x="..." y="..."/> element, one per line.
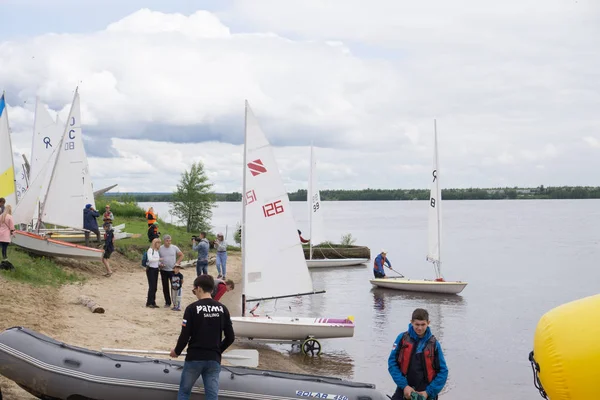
<point x="540" y="192"/>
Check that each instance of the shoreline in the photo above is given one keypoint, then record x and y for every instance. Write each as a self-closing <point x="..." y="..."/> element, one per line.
<point x="126" y="323"/>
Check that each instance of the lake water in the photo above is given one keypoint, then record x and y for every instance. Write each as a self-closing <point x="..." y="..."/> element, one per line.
<point x="521" y="258"/>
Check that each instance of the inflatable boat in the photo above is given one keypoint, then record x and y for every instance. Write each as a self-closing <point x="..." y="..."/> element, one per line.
<point x="52" y="370"/>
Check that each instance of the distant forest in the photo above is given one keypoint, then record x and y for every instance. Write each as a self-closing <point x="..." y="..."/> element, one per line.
<point x="541" y="192"/>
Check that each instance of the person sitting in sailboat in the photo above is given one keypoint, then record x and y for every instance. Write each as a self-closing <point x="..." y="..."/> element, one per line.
<point x="380" y="261"/>
<point x="301" y="238"/>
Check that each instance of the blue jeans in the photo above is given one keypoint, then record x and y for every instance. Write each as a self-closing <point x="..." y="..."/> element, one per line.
<point x="201" y="268"/>
<point x="222" y="263"/>
<point x="210" y="377"/>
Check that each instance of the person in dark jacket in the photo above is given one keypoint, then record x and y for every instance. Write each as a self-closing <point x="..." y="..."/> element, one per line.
<point x="90" y="224"/>
<point x="302" y="240"/>
<point x="204" y="323"/>
<point x="417" y="363"/>
<point x="153" y="232"/>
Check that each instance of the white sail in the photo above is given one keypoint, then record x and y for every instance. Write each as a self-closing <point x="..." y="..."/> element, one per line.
<point x="21" y="180"/>
<point x="70" y="186"/>
<point x="271" y="251"/>
<point x="27" y="209"/>
<point x="8" y="188"/>
<point x="46" y="135"/>
<point x="435" y="211"/>
<point x="315" y="207"/>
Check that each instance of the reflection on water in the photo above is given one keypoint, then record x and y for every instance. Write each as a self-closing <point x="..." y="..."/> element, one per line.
<point x="332" y="363"/>
<point x="537" y="252"/>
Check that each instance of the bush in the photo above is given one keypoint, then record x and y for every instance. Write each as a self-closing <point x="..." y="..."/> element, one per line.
<point x="347" y="240"/>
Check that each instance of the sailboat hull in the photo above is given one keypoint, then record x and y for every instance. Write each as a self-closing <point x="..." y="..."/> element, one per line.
<point x="291" y="328"/>
<point x="55" y="248"/>
<point x="53" y="370"/>
<point x="417" y="285"/>
<point x="335" y="262"/>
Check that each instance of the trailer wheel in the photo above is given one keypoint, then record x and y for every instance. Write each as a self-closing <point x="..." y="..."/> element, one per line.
<point x="311" y="346"/>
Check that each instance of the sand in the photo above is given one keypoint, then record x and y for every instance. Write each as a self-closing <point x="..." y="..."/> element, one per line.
<point x="126" y="323"/>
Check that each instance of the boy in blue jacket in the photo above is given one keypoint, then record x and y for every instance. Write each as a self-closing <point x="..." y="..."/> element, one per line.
<point x="417" y="362"/>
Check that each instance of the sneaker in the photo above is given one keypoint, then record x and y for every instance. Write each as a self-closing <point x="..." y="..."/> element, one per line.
<point x="176" y="309"/>
<point x="219" y="276"/>
<point x="167" y="305"/>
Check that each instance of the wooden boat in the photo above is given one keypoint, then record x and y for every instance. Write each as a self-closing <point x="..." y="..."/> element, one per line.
<point x="52" y="370"/>
<point x="45" y="246"/>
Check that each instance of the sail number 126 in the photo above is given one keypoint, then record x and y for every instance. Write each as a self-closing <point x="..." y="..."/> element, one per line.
<point x="271" y="209"/>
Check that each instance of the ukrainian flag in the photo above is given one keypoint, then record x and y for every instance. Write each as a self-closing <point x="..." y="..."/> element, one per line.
<point x="7" y="171"/>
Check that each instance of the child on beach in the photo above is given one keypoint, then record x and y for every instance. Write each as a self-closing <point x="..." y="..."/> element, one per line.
<point x="109" y="247"/>
<point x="176" y="284"/>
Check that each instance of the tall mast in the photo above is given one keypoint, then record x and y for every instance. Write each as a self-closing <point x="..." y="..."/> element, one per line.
<point x="437" y="209"/>
<point x="309" y="195"/>
<point x="244" y="210"/>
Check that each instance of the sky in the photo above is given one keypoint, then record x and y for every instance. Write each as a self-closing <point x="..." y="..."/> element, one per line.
<point x="514" y="88"/>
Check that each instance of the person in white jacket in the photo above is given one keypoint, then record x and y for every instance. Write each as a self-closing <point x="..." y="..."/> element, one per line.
<point x="152" y="272"/>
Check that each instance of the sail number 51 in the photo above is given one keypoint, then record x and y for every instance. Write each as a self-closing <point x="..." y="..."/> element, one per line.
<point x="271" y="209"/>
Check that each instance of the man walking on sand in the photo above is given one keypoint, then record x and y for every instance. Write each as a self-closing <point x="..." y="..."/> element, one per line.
<point x="171" y="256"/>
<point x="417" y="362"/>
<point x="201" y="245"/>
<point x="204" y="323"/>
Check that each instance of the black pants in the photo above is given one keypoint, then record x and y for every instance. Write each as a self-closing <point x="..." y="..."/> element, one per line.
<point x="399" y="395"/>
<point x="87" y="236"/>
<point x="152" y="275"/>
<point x="4" y="247"/>
<point x="165" y="277"/>
<point x="378" y="274"/>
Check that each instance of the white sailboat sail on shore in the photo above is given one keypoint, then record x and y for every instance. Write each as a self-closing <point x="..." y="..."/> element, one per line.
<point x="317" y="224"/>
<point x="61" y="189"/>
<point x="434" y="244"/>
<point x="8" y="188"/>
<point x="273" y="261"/>
<point x="46" y="135"/>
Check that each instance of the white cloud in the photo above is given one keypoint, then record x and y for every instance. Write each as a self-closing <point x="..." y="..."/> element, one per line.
<point x="511" y="84"/>
<point x="592" y="141"/>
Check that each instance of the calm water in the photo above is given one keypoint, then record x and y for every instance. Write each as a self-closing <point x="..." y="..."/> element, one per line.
<point x="521" y="258"/>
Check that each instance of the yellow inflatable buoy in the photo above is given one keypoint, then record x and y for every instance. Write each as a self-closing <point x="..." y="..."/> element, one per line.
<point x="566" y="351"/>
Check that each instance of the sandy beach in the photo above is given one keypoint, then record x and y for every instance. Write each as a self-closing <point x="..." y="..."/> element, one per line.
<point x="126" y="323"/>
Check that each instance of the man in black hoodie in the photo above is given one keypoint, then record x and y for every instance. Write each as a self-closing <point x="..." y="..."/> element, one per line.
<point x="204" y="323"/>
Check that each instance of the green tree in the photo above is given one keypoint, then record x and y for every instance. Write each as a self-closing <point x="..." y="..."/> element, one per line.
<point x="193" y="200"/>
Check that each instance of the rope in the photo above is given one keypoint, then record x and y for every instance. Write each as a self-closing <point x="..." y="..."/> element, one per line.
<point x="332" y="248"/>
<point x="535" y="367"/>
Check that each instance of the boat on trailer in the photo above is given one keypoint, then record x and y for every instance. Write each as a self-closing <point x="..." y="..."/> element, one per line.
<point x="58" y="193"/>
<point x="317" y="224"/>
<point x="439" y="285"/>
<point x="273" y="263"/>
<point x="52" y="370"/>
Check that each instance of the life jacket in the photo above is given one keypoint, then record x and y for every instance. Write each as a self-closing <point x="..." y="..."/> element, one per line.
<point x="151" y="217"/>
<point x="432" y="362"/>
<point x="216" y="288"/>
<point x="382" y="262"/>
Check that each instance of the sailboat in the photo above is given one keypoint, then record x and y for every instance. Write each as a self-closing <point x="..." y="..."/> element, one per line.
<point x="8" y="188"/>
<point x="61" y="190"/>
<point x="317" y="224"/>
<point x="439" y="285"/>
<point x="273" y="264"/>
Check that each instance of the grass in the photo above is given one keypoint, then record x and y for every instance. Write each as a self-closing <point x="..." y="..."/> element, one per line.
<point x="37" y="271"/>
<point x="43" y="271"/>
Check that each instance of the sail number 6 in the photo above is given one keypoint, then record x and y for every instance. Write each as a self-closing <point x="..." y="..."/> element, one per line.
<point x="271" y="209"/>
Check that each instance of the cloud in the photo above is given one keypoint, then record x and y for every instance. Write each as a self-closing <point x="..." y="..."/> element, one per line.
<point x="362" y="82"/>
<point x="592" y="141"/>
